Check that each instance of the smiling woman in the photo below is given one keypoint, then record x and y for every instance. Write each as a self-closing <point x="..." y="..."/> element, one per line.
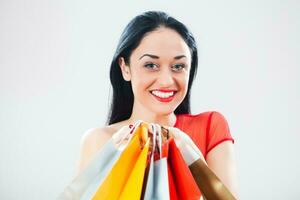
<point x="152" y="73"/>
<point x="158" y="70"/>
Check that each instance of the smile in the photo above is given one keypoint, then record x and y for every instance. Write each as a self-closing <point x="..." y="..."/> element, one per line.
<point x="163" y="95"/>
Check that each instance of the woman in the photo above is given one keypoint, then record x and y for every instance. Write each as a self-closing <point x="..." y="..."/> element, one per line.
<point x="152" y="73"/>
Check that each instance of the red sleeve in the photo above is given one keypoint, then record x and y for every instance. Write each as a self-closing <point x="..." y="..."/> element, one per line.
<point x="217" y="131"/>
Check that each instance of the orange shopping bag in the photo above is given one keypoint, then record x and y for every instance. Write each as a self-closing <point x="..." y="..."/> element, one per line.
<point x="114" y="183"/>
<point x="133" y="187"/>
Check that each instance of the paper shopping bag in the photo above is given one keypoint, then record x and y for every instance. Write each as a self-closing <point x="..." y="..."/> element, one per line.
<point x="99" y="166"/>
<point x="157" y="182"/>
<point x="121" y="140"/>
<point x="172" y="189"/>
<point x="148" y="177"/>
<point x="115" y="181"/>
<point x="208" y="182"/>
<point x="185" y="184"/>
<point x="133" y="187"/>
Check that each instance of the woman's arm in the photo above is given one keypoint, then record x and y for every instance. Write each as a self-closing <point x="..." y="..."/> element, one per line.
<point x="221" y="160"/>
<point x="217" y="174"/>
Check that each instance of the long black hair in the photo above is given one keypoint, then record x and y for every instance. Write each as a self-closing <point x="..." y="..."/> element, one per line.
<point x="134" y="32"/>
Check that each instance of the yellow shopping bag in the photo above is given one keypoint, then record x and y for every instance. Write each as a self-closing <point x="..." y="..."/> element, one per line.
<point x="133" y="187"/>
<point x="114" y="183"/>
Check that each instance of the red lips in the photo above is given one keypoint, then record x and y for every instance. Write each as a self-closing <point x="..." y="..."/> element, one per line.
<point x="164" y="99"/>
<point x="164" y="90"/>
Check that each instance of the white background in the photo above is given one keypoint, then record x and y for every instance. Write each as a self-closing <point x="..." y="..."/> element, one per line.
<point x="54" y="84"/>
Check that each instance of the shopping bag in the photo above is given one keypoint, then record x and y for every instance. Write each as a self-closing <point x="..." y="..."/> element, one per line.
<point x="148" y="177"/>
<point x="157" y="181"/>
<point x="209" y="183"/>
<point x="186" y="146"/>
<point x="133" y="187"/>
<point x="167" y="179"/>
<point x="185" y="184"/>
<point x="99" y="166"/>
<point x="80" y="186"/>
<point x="99" y="177"/>
<point x="115" y="181"/>
<point x="172" y="189"/>
<point x="121" y="140"/>
<point x="105" y="157"/>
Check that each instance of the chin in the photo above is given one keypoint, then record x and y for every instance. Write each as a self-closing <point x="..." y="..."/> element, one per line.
<point x="163" y="110"/>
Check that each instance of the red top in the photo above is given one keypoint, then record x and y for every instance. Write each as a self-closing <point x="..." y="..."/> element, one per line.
<point x="207" y="129"/>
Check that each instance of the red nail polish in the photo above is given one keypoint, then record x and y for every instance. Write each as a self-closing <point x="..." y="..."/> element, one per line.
<point x="130" y="126"/>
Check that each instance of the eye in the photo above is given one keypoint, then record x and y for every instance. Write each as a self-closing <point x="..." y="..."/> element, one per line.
<point x="151" y="66"/>
<point x="178" y="67"/>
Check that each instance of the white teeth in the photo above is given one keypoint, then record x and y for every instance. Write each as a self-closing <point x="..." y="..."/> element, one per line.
<point x="162" y="94"/>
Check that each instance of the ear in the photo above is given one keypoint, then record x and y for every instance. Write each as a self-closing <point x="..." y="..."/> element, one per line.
<point x="125" y="69"/>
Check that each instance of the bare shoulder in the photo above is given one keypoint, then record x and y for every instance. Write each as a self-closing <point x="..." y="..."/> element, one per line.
<point x="99" y="135"/>
<point x="92" y="140"/>
<point x="96" y="136"/>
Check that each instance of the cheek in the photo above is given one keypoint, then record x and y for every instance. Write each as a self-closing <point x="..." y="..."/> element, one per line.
<point x="140" y="82"/>
<point x="183" y="81"/>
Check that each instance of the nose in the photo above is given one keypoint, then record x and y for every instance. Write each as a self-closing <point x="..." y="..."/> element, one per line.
<point x="165" y="78"/>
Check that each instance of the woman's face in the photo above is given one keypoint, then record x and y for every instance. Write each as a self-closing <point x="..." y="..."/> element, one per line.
<point x="159" y="71"/>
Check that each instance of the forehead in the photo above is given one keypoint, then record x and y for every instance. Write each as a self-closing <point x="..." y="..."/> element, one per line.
<point x="163" y="42"/>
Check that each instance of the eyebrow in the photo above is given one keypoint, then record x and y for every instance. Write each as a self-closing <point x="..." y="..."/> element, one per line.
<point x="157" y="57"/>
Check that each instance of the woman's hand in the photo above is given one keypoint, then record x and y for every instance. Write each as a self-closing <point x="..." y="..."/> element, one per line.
<point x="185" y="144"/>
<point x="123" y="135"/>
